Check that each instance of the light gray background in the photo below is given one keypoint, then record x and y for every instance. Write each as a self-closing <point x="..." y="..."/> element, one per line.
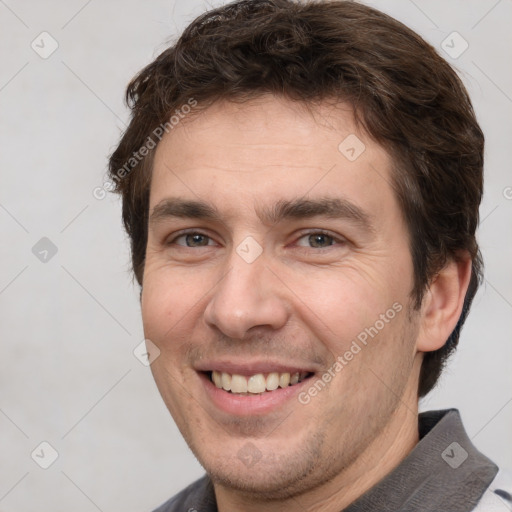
<point x="68" y="326"/>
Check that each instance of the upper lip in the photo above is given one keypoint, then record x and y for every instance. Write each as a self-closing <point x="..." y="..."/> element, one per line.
<point x="247" y="368"/>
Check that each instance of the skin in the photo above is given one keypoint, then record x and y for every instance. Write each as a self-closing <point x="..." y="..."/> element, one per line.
<point x="298" y="302"/>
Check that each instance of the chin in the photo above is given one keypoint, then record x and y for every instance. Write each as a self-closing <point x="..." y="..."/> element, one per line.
<point x="262" y="485"/>
<point x="271" y="475"/>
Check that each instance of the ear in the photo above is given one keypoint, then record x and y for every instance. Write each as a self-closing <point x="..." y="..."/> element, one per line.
<point x="442" y="303"/>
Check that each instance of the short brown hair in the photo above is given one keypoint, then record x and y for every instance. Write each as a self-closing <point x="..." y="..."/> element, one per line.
<point x="404" y="95"/>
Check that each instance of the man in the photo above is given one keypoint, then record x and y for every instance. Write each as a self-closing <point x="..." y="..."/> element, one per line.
<point x="300" y="185"/>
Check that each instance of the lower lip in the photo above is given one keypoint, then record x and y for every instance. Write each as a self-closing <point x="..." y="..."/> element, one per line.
<point x="246" y="405"/>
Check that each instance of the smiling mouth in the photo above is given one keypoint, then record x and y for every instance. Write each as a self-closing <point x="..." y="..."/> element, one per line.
<point x="256" y="384"/>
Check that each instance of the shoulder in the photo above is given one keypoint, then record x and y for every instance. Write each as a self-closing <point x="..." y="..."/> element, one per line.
<point x="498" y="496"/>
<point x="197" y="496"/>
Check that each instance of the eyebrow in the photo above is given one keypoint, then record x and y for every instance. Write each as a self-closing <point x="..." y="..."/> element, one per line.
<point x="336" y="208"/>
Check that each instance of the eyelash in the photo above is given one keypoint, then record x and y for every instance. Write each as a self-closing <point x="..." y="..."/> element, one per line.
<point x="303" y="234"/>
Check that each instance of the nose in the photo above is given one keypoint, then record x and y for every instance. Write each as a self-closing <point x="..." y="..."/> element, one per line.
<point x="249" y="295"/>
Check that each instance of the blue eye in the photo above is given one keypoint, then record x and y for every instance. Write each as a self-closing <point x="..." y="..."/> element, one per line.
<point x="317" y="240"/>
<point x="193" y="240"/>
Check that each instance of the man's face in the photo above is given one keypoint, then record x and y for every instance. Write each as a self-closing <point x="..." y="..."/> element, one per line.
<point x="293" y="256"/>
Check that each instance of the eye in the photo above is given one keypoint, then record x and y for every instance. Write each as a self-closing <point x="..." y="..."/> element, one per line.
<point x="317" y="240"/>
<point x="192" y="240"/>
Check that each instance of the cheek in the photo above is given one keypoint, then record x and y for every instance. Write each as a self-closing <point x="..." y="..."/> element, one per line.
<point x="167" y="305"/>
<point x="167" y="315"/>
<point x="357" y="314"/>
<point x="341" y="301"/>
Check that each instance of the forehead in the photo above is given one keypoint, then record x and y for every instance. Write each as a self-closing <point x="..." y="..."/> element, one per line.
<point x="268" y="150"/>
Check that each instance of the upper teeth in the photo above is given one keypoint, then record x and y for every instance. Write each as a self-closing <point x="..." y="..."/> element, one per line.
<point x="257" y="383"/>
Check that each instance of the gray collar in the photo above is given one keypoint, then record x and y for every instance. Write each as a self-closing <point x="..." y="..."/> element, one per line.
<point x="444" y="471"/>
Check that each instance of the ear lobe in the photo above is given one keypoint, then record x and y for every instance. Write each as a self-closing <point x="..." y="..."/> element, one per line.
<point x="442" y="304"/>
